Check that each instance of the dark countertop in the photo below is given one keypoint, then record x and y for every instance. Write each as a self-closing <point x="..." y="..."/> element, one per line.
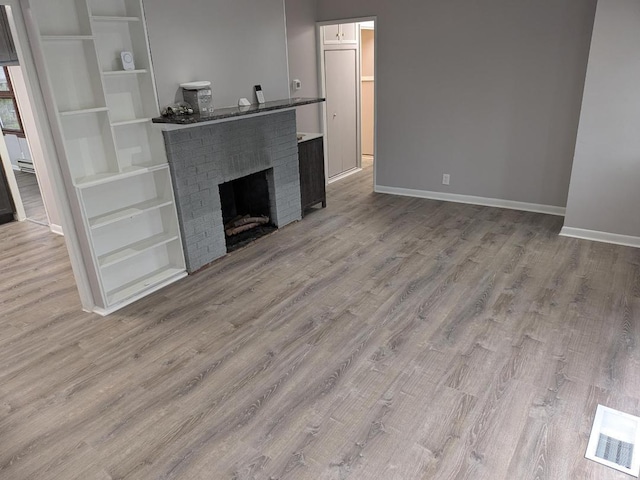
<point x="306" y="137"/>
<point x="229" y="112"/>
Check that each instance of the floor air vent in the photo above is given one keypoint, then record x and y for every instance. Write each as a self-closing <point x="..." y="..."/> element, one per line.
<point x="615" y="440"/>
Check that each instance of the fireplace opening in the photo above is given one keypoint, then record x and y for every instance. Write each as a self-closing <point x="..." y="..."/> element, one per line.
<point x="246" y="210"/>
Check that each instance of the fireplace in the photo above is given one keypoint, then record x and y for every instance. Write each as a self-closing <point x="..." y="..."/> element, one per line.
<point x="246" y="209"/>
<point x="211" y="163"/>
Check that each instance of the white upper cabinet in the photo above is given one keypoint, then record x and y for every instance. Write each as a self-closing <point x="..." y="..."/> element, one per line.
<point x="349" y="33"/>
<point x="331" y="34"/>
<point x="346" y="33"/>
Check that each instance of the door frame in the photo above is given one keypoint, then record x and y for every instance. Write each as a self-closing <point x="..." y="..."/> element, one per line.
<point x="360" y="29"/>
<point x="321" y="81"/>
<point x="36" y="154"/>
<point x="20" y="214"/>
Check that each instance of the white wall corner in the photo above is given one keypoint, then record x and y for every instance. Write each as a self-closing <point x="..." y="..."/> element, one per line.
<point x="604" y="237"/>
<point x="472" y="200"/>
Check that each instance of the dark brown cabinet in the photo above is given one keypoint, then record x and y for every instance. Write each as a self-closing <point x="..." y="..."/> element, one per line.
<point x="312" y="182"/>
<point x="6" y="202"/>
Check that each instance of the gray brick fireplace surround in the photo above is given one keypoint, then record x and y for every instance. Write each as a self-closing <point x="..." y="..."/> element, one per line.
<point x="201" y="157"/>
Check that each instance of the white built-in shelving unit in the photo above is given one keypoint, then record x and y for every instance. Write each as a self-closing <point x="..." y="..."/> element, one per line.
<point x="113" y="159"/>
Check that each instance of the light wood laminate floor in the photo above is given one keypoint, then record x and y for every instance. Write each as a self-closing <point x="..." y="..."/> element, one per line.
<point x="31" y="197"/>
<point x="380" y="338"/>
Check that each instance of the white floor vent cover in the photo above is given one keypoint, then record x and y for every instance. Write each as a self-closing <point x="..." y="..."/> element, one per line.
<point x="615" y="440"/>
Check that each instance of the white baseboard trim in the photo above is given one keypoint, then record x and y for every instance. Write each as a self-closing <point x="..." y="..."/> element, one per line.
<point x="604" y="237"/>
<point x="484" y="201"/>
<point x="57" y="229"/>
<point x="344" y="175"/>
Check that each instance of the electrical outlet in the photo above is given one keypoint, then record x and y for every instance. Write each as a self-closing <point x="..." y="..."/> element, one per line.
<point x="446" y="178"/>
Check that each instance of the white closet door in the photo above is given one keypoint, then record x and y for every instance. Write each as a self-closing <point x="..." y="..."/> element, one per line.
<point x="341" y="90"/>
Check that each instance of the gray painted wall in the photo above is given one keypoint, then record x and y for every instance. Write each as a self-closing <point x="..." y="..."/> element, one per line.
<point x="605" y="184"/>
<point x="235" y="44"/>
<point x="488" y="92"/>
<point x="303" y="59"/>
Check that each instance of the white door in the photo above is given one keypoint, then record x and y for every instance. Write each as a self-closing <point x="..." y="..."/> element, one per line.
<point x="341" y="92"/>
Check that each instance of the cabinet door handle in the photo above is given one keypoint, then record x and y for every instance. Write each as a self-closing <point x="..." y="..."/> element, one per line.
<point x="335" y="115"/>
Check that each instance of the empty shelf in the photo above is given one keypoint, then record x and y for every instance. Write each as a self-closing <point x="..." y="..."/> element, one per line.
<point x="100" y="178"/>
<point x="149" y="281"/>
<point x="130" y="122"/>
<point x="105" y="18"/>
<point x="84" y="111"/>
<point x="66" y="38"/>
<point x="128" y="212"/>
<point x="136" y="248"/>
<point x="113" y="73"/>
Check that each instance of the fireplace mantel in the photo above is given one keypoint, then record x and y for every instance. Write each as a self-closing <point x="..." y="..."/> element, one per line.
<point x="232" y="113"/>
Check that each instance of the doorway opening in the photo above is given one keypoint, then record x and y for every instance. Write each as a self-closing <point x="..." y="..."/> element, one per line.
<point x="347" y="70"/>
<point x="17" y="144"/>
<point x="25" y="182"/>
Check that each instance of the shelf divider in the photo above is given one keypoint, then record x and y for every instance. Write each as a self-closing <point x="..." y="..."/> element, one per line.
<point x="128" y="212"/>
<point x="130" y="251"/>
<point x="66" y="38"/>
<point x="107" y="18"/>
<point x="130" y="122"/>
<point x="115" y="73"/>
<point x="85" y="111"/>
<point x="149" y="281"/>
<point x="102" y="178"/>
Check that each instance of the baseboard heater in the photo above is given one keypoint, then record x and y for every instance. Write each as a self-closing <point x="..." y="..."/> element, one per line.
<point x="26" y="165"/>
